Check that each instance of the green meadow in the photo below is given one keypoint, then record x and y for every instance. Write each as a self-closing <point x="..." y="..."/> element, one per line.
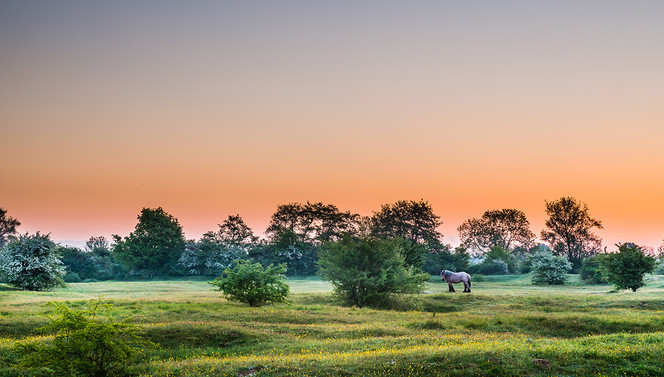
<point x="505" y="327"/>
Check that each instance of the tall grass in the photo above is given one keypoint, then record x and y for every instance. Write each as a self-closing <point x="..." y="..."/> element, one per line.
<point x="505" y="327"/>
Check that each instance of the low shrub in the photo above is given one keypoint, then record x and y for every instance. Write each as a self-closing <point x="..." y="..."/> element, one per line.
<point x="249" y="283"/>
<point x="31" y="262"/>
<point x="549" y="269"/>
<point x="86" y="343"/>
<point x="625" y="269"/>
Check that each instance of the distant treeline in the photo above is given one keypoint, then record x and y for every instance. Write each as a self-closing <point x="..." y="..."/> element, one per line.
<point x="499" y="242"/>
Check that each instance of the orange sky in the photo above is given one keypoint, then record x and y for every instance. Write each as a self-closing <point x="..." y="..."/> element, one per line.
<point x="215" y="109"/>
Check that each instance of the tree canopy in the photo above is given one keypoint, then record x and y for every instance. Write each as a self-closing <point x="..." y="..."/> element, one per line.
<point x="8" y="226"/>
<point x="312" y="223"/>
<point x="505" y="228"/>
<point x="569" y="230"/>
<point x="234" y="231"/>
<point x="154" y="246"/>
<point x="410" y="220"/>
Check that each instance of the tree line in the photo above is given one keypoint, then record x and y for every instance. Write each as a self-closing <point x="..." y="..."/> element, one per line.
<point x="500" y="241"/>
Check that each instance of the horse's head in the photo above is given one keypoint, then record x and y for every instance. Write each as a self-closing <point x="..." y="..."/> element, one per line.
<point x="443" y="273"/>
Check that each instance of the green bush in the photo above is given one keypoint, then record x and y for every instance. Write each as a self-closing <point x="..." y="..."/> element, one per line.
<point x="489" y="267"/>
<point x="30" y="262"/>
<point x="369" y="271"/>
<point x="86" y="343"/>
<point x="499" y="253"/>
<point x="549" y="269"/>
<point x="591" y="271"/>
<point x="625" y="269"/>
<point x="249" y="283"/>
<point x="446" y="259"/>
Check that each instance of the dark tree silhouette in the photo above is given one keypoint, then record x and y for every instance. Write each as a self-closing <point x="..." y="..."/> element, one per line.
<point x="410" y="220"/>
<point x="8" y="226"/>
<point x="569" y="230"/>
<point x="235" y="232"/>
<point x="312" y="223"/>
<point x="505" y="228"/>
<point x="154" y="246"/>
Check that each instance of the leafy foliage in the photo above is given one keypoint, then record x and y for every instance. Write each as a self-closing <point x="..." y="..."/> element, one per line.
<point x="414" y="224"/>
<point x="154" y="246"/>
<point x="209" y="256"/>
<point x="234" y="231"/>
<point x="505" y="228"/>
<point x="80" y="264"/>
<point x="369" y="271"/>
<point x="569" y="230"/>
<point x="249" y="283"/>
<point x="86" y="343"/>
<point x="411" y="220"/>
<point x="30" y="262"/>
<point x="489" y="266"/>
<point x="445" y="259"/>
<point x="8" y="226"/>
<point x="625" y="269"/>
<point x="311" y="223"/>
<point x="93" y="263"/>
<point x="297" y="231"/>
<point x="591" y="271"/>
<point x="549" y="269"/>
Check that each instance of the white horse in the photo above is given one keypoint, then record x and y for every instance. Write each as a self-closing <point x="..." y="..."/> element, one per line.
<point x="456" y="277"/>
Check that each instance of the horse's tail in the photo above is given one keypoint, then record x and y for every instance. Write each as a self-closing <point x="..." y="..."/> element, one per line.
<point x="468" y="280"/>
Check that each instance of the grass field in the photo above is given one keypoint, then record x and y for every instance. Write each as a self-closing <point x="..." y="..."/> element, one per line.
<point x="506" y="327"/>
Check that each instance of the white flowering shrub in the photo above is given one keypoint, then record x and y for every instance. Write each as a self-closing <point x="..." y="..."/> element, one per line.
<point x="549" y="269"/>
<point x="205" y="258"/>
<point x="30" y="262"/>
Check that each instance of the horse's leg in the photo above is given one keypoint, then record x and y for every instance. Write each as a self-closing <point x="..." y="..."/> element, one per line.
<point x="466" y="286"/>
<point x="451" y="287"/>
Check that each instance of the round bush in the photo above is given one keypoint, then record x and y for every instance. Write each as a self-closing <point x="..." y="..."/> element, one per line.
<point x="549" y="269"/>
<point x="30" y="262"/>
<point x="249" y="283"/>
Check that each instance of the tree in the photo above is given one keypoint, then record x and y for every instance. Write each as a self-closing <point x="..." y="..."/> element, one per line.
<point x="249" y="283"/>
<point x="411" y="220"/>
<point x="505" y="228"/>
<point x="312" y="223"/>
<point x="234" y="231"/>
<point x="497" y="261"/>
<point x="81" y="265"/>
<point x="569" y="230"/>
<point x="154" y="246"/>
<point x="98" y="246"/>
<point x="625" y="269"/>
<point x="86" y="343"/>
<point x="549" y="269"/>
<point x="591" y="271"/>
<point x="368" y="271"/>
<point x="297" y="231"/>
<point x="106" y="266"/>
<point x="31" y="262"/>
<point x="210" y="255"/>
<point x="8" y="226"/>
<point x="446" y="258"/>
<point x="414" y="222"/>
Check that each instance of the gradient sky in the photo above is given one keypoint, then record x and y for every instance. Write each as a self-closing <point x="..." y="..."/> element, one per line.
<point x="213" y="108"/>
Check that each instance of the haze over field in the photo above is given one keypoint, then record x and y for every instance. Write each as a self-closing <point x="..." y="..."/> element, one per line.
<point x="215" y="108"/>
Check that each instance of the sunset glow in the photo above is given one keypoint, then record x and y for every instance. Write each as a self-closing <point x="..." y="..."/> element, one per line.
<point x="216" y="108"/>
